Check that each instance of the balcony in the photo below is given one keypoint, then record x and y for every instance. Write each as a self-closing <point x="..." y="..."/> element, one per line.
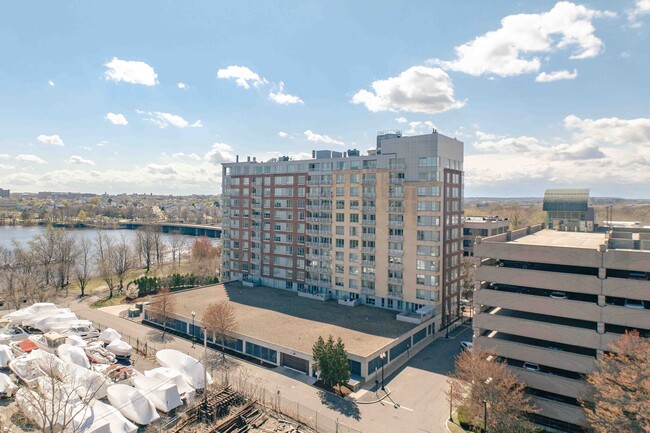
<point x="396" y="195"/>
<point x="369" y="195"/>
<point x="368" y="249"/>
<point x="395" y="252"/>
<point x="313" y="207"/>
<point x="319" y="194"/>
<point x="318" y="270"/>
<point x="354" y="207"/>
<point x="319" y="245"/>
<point x="395" y="223"/>
<point x="395" y="295"/>
<point x="318" y="283"/>
<point x="319" y="232"/>
<point x="368" y="262"/>
<point x="395" y="266"/>
<point x="398" y="209"/>
<point x="313" y="182"/>
<point x="320" y="257"/>
<point x="312" y="219"/>
<point x="397" y="166"/>
<point x="369" y="208"/>
<point x="369" y="181"/>
<point x="367" y="277"/>
<point x="394" y="280"/>
<point x="369" y="236"/>
<point x="367" y="291"/>
<point x="368" y="222"/>
<point x="396" y="181"/>
<point x="395" y="237"/>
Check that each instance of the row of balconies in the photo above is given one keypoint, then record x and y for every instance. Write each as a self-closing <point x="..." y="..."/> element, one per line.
<point x="319" y="283"/>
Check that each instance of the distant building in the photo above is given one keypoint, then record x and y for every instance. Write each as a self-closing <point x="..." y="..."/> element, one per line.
<point x="4" y="193"/>
<point x="483" y="226"/>
<point x="549" y="303"/>
<point x="568" y="210"/>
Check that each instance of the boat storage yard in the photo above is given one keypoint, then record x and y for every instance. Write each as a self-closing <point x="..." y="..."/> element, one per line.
<point x="66" y="376"/>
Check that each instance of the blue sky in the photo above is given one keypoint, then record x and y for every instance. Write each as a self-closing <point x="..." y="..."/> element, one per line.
<point x="152" y="96"/>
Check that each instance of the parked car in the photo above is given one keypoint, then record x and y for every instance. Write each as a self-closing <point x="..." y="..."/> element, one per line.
<point x="559" y="295"/>
<point x="530" y="366"/>
<point x="639" y="276"/>
<point x="634" y="303"/>
<point x="466" y="345"/>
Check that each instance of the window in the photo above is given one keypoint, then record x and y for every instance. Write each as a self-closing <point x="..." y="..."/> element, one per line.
<point x="340" y="191"/>
<point x="340" y="243"/>
<point x="429" y="161"/>
<point x="354" y="217"/>
<point x="340" y="230"/>
<point x="340" y="217"/>
<point x="339" y="255"/>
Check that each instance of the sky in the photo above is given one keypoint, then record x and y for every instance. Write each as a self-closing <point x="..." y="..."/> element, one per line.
<point x="152" y="96"/>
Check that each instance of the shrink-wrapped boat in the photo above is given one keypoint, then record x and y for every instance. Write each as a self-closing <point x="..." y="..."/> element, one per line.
<point x="191" y="369"/>
<point x="74" y="355"/>
<point x="164" y="395"/>
<point x="108" y="335"/>
<point x="6" y="355"/>
<point x="163" y="373"/>
<point x="117" y="422"/>
<point x="132" y="404"/>
<point x="121" y="349"/>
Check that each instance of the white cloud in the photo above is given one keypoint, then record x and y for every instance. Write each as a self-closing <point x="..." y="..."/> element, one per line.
<point x="116" y="119"/>
<point x="54" y="140"/>
<point x="401" y="119"/>
<point x="419" y="89"/>
<point x="511" y="49"/>
<point x="242" y="76"/>
<point x="30" y="158"/>
<point x="76" y="159"/>
<point x="4" y="156"/>
<point x="102" y="143"/>
<point x="129" y="71"/>
<point x="163" y="120"/>
<point x="282" y="134"/>
<point x="192" y="156"/>
<point x="641" y="7"/>
<point x="6" y="167"/>
<point x="161" y="169"/>
<point x="182" y="85"/>
<point x="545" y="77"/>
<point x="282" y="98"/>
<point x="419" y="127"/>
<point x="319" y="138"/>
<point x="50" y="83"/>
<point x="621" y="132"/>
<point x="219" y="153"/>
<point x="596" y="152"/>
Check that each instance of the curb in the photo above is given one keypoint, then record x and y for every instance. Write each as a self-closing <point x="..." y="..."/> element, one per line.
<point x="375" y="401"/>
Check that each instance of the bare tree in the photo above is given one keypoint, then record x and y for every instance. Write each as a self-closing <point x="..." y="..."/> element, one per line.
<point x="220" y="320"/>
<point x="158" y="247"/>
<point x="515" y="214"/>
<point x="44" y="248"/>
<point x="176" y="246"/>
<point x="121" y="261"/>
<point x="104" y="252"/>
<point x="162" y="308"/>
<point x="65" y="253"/>
<point x="60" y="400"/>
<point x="621" y="387"/>
<point x="205" y="258"/>
<point x="83" y="271"/>
<point x="467" y="278"/>
<point x="479" y="377"/>
<point x="145" y="245"/>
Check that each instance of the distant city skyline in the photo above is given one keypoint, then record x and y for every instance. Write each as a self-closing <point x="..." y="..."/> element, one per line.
<point x="151" y="97"/>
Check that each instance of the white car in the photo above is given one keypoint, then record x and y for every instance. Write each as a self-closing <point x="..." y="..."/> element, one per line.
<point x="530" y="366"/>
<point x="14" y="333"/>
<point x="466" y="345"/>
<point x="559" y="295"/>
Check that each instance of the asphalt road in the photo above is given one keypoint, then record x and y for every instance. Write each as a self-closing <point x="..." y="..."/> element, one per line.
<point x="417" y="389"/>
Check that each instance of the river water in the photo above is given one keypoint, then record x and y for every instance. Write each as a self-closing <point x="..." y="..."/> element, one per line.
<point x="9" y="234"/>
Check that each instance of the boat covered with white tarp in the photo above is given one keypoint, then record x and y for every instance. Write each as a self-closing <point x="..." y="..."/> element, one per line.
<point x="6" y="355"/>
<point x="132" y="404"/>
<point x="7" y="386"/>
<point x="191" y="369"/>
<point x="74" y="355"/>
<point x="119" y="348"/>
<point x="43" y="409"/>
<point x="108" y="335"/>
<point x="117" y="422"/>
<point x="25" y="313"/>
<point x="163" y="373"/>
<point x="164" y="395"/>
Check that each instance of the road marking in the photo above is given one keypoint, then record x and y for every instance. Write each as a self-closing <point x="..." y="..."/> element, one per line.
<point x="405" y="408"/>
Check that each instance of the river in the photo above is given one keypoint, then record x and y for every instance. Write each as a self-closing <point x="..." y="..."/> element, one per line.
<point x="21" y="234"/>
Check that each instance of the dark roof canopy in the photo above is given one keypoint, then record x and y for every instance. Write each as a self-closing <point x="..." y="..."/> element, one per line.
<point x="575" y="200"/>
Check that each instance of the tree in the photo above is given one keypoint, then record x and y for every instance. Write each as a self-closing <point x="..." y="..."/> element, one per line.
<point x="104" y="251"/>
<point x="467" y="279"/>
<point x="145" y="245"/>
<point x="479" y="376"/>
<point x="121" y="261"/>
<point x="83" y="271"/>
<point x="162" y="308"/>
<point x="61" y="399"/>
<point x="176" y="246"/>
<point x="331" y="362"/>
<point x="205" y="258"/>
<point x="220" y="320"/>
<point x="621" y="387"/>
<point x="65" y="254"/>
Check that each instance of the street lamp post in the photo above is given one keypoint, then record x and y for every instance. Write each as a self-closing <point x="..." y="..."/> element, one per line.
<point x="382" y="357"/>
<point x="485" y="430"/>
<point x="451" y="399"/>
<point x="408" y="350"/>
<point x="193" y="328"/>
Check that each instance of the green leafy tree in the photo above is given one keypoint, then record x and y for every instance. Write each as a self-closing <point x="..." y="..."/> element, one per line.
<point x="331" y="362"/>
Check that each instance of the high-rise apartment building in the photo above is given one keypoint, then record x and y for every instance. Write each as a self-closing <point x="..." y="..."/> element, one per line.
<point x="483" y="226"/>
<point x="549" y="303"/>
<point x="382" y="229"/>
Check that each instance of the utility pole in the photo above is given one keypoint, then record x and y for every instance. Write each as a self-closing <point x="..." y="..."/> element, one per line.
<point x="205" y="369"/>
<point x="451" y="397"/>
<point x="485" y="430"/>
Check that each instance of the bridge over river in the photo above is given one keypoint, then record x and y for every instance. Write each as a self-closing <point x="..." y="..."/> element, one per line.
<point x="180" y="228"/>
